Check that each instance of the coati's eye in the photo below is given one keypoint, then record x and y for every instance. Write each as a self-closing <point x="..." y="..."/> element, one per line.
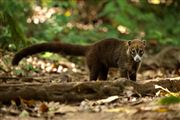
<point x="133" y="51"/>
<point x="141" y="52"/>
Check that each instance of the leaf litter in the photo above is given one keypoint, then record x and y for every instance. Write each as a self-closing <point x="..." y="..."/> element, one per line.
<point x="130" y="105"/>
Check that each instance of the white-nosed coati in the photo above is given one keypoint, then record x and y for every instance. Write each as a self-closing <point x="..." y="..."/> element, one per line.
<point x="100" y="56"/>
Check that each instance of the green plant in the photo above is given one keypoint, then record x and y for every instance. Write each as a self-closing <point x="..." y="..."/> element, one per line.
<point x="158" y="21"/>
<point x="12" y="31"/>
<point x="169" y="100"/>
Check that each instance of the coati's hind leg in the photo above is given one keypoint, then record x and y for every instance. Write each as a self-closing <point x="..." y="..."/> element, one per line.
<point x="103" y="73"/>
<point x="94" y="72"/>
<point x="93" y="65"/>
<point x="97" y="70"/>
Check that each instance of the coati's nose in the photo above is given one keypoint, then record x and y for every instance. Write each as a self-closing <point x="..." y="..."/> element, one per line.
<point x="137" y="58"/>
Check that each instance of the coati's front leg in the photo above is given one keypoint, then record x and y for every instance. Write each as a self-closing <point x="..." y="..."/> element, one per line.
<point x="132" y="76"/>
<point x="133" y="72"/>
<point x="124" y="73"/>
<point x="128" y="71"/>
<point x="128" y="74"/>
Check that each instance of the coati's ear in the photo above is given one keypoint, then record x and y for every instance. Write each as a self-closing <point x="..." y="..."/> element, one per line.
<point x="144" y="42"/>
<point x="129" y="42"/>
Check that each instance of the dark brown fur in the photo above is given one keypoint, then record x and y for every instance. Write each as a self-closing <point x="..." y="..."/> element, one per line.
<point x="100" y="56"/>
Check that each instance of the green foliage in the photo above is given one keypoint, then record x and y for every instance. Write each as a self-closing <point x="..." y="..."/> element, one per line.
<point x="30" y="67"/>
<point x="11" y="28"/>
<point x="169" y="100"/>
<point x="51" y="56"/>
<point x="19" y="72"/>
<point x="27" y="68"/>
<point x="158" y="21"/>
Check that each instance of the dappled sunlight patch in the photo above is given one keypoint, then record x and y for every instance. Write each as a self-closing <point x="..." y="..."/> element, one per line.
<point x="157" y="2"/>
<point x="52" y="66"/>
<point x="122" y="29"/>
<point x="42" y="14"/>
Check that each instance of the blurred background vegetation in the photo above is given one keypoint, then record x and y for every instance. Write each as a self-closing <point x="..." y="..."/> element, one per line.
<point x="24" y="22"/>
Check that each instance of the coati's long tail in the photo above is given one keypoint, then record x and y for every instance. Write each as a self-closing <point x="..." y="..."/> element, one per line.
<point x="55" y="47"/>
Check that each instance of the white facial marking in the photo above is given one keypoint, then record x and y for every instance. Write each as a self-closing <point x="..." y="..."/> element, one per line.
<point x="137" y="58"/>
<point x="127" y="51"/>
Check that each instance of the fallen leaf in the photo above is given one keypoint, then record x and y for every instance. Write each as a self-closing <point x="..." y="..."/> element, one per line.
<point x="23" y="114"/>
<point x="107" y="100"/>
<point x="43" y="108"/>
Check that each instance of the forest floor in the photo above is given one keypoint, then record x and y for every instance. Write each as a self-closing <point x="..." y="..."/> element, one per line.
<point x="130" y="104"/>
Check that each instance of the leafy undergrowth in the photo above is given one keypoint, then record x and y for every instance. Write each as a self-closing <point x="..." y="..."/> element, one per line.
<point x="163" y="105"/>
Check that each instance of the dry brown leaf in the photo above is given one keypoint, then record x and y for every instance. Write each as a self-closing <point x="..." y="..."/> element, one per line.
<point x="43" y="108"/>
<point x="29" y="103"/>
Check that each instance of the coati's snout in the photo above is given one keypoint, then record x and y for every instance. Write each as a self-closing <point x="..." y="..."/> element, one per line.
<point x="136" y="49"/>
<point x="137" y="58"/>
